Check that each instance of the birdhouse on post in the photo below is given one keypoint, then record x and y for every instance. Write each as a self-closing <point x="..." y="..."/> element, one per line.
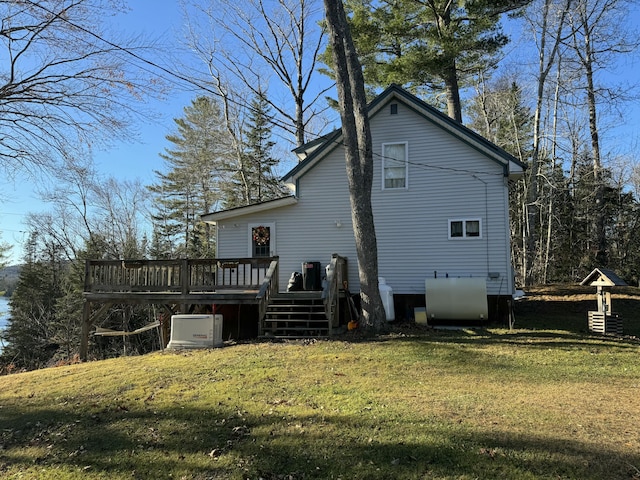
<point x="604" y="320"/>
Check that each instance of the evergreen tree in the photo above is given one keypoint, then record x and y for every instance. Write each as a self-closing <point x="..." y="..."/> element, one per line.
<point x="4" y="250"/>
<point x="499" y="114"/>
<point x="254" y="179"/>
<point x="191" y="186"/>
<point x="259" y="146"/>
<point x="30" y="332"/>
<point x="428" y="45"/>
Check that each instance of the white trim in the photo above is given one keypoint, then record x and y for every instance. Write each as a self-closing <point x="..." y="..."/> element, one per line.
<point x="406" y="165"/>
<point x="272" y="237"/>
<point x="249" y="209"/>
<point x="464" y="221"/>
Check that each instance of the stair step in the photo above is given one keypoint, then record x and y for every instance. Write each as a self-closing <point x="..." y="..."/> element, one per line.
<point x="297" y="329"/>
<point x="297" y="307"/>
<point x="298" y="296"/>
<point x="296" y="315"/>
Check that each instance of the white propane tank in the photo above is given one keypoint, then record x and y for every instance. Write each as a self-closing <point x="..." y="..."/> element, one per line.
<point x="386" y="293"/>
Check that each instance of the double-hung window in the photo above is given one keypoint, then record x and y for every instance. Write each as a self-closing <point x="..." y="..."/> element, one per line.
<point x="465" y="228"/>
<point x="394" y="165"/>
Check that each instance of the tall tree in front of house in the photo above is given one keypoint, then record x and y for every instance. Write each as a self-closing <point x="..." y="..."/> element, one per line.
<point x="190" y="185"/>
<point x="358" y="158"/>
<point x="429" y="46"/>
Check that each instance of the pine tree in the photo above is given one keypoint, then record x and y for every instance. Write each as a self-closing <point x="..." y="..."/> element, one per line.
<point x="430" y="46"/>
<point x="191" y="186"/>
<point x="4" y="250"/>
<point x="31" y="329"/>
<point x="254" y="179"/>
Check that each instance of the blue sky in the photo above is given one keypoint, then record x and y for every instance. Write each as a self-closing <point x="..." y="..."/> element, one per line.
<point x="138" y="160"/>
<point x="125" y="160"/>
<point x="128" y="160"/>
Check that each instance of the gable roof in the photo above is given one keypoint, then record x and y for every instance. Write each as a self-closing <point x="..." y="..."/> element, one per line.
<point x="316" y="149"/>
<point x="603" y="277"/>
<point x="312" y="152"/>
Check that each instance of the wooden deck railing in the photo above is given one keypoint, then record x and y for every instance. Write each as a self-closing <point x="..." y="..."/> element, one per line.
<point x="180" y="276"/>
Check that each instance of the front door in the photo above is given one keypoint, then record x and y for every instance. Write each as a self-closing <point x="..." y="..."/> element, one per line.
<point x="262" y="240"/>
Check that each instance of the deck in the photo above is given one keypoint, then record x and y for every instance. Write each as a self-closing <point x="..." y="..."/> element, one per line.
<point x="176" y="284"/>
<point x="179" y="285"/>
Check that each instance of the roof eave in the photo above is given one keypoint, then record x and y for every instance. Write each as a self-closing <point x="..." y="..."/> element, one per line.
<point x="214" y="218"/>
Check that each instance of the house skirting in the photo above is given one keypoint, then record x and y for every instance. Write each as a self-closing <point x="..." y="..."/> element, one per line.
<point x="240" y="322"/>
<point x="498" y="310"/>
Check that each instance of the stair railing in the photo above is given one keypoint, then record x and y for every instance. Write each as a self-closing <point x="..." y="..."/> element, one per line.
<point x="268" y="290"/>
<point x="331" y="291"/>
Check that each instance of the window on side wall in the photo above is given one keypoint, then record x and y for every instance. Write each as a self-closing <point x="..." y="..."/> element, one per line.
<point x="465" y="228"/>
<point x="394" y="165"/>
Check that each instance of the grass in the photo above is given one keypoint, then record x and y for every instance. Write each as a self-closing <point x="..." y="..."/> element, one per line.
<point x="533" y="403"/>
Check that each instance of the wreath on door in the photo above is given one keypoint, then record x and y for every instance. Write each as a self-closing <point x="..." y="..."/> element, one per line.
<point x="261" y="235"/>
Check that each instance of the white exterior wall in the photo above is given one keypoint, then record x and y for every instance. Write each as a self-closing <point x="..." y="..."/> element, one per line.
<point x="447" y="179"/>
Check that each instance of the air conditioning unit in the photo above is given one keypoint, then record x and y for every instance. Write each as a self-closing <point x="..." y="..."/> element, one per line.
<point x="195" y="331"/>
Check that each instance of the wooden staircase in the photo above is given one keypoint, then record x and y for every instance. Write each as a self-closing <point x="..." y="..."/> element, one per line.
<point x="296" y="315"/>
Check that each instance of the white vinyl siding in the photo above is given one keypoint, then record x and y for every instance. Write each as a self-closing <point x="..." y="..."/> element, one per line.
<point x="410" y="223"/>
<point x="395" y="165"/>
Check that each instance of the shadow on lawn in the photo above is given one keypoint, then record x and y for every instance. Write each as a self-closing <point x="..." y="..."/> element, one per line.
<point x="543" y="339"/>
<point x="198" y="444"/>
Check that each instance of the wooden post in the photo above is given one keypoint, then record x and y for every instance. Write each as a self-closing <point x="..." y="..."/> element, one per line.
<point x="86" y="325"/>
<point x="185" y="278"/>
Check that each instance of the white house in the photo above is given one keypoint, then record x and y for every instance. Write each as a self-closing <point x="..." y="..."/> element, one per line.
<point x="440" y="201"/>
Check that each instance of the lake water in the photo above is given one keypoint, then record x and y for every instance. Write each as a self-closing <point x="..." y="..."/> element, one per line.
<point x="4" y="315"/>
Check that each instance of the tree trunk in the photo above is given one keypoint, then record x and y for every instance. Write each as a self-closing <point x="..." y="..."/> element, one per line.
<point x="599" y="215"/>
<point x="544" y="66"/>
<point x="452" y="91"/>
<point x="359" y="158"/>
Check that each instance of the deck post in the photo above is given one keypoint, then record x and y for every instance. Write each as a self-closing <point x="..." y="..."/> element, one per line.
<point x="185" y="279"/>
<point x="86" y="325"/>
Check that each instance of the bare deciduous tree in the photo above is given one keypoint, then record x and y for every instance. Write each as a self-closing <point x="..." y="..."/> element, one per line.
<point x="101" y="215"/>
<point x="247" y="43"/>
<point x="63" y="87"/>
<point x="595" y="42"/>
<point x="547" y="22"/>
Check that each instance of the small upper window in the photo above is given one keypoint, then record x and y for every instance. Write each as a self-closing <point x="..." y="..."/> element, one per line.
<point x="394" y="109"/>
<point x="471" y="228"/>
<point x="394" y="165"/>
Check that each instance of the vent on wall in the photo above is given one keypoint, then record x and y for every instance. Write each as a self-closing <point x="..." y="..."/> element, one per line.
<point x="394" y="109"/>
<point x="195" y="331"/>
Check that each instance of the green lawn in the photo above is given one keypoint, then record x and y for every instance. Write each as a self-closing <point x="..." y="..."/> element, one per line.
<point x="533" y="403"/>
